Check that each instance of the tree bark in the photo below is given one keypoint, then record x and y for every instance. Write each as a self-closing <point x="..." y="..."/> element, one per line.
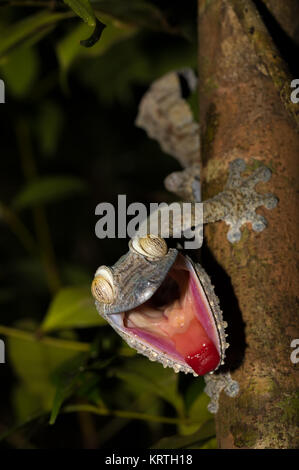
<point x="246" y="112"/>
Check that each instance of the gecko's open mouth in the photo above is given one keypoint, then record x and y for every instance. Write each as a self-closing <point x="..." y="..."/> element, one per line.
<point x="178" y="320"/>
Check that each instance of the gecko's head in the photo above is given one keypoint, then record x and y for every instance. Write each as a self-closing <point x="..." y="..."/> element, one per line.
<point x="164" y="306"/>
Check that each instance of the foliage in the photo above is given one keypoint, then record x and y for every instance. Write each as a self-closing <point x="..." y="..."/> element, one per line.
<point x="69" y="141"/>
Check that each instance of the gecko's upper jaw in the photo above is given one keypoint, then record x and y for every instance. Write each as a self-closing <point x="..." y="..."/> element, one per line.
<point x="178" y="321"/>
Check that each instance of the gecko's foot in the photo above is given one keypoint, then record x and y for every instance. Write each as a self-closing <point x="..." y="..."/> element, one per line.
<point x="246" y="199"/>
<point x="215" y="383"/>
<point x="185" y="183"/>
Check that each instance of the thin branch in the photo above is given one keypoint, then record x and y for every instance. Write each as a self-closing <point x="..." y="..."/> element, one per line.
<point x="18" y="228"/>
<point x="55" y="342"/>
<point x="127" y="414"/>
<point x="41" y="224"/>
<point x="47" y="340"/>
<point x="29" y="3"/>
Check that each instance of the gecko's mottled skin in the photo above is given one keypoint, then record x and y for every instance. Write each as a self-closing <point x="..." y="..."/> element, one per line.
<point x="166" y="116"/>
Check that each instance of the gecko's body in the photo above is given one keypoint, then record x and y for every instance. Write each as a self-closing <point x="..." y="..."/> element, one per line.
<point x="125" y="291"/>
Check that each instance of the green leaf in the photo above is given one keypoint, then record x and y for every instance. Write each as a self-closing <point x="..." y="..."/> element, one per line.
<point x="197" y="406"/>
<point x="209" y="444"/>
<point x="138" y="12"/>
<point x="74" y="376"/>
<point x="195" y="388"/>
<point x="33" y="363"/>
<point x="199" y="412"/>
<point x="16" y="34"/>
<point x="69" y="49"/>
<point x="83" y="9"/>
<point x="152" y="378"/>
<point x="20" y="71"/>
<point x="26" y="403"/>
<point x="206" y="431"/>
<point x="66" y="380"/>
<point x="48" y="127"/>
<point x="72" y="307"/>
<point x="48" y="189"/>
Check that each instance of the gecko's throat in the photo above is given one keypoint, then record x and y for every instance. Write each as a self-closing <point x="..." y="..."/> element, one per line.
<point x="178" y="320"/>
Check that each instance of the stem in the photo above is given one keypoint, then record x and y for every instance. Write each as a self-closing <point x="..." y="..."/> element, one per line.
<point x="29" y="3"/>
<point x="86" y="408"/>
<point x="127" y="414"/>
<point x="18" y="228"/>
<point x="115" y="425"/>
<point x="47" y="340"/>
<point x="17" y="440"/>
<point x="88" y="430"/>
<point x="41" y="224"/>
<point x="46" y="248"/>
<point x="55" y="342"/>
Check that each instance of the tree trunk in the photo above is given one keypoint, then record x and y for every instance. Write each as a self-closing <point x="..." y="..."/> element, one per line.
<point x="246" y="112"/>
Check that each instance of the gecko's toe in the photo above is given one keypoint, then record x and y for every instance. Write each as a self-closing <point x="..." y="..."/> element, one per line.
<point x="259" y="223"/>
<point x="265" y="174"/>
<point x="261" y="174"/>
<point x="185" y="183"/>
<point x="234" y="235"/>
<point x="232" y="388"/>
<point x="270" y="201"/>
<point x="237" y="165"/>
<point x="213" y="407"/>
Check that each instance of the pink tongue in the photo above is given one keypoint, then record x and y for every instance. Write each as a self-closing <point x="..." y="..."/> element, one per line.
<point x="191" y="341"/>
<point x="179" y="323"/>
<point x="197" y="349"/>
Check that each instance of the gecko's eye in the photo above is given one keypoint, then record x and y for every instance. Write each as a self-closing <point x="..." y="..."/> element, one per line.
<point x="180" y="325"/>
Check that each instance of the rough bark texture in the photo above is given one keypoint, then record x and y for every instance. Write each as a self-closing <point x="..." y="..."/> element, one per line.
<point x="243" y="114"/>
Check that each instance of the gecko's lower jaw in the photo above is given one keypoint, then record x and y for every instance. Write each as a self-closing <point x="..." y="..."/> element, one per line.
<point x="178" y="321"/>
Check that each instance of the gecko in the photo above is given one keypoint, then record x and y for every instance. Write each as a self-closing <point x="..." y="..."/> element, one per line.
<point x="158" y="299"/>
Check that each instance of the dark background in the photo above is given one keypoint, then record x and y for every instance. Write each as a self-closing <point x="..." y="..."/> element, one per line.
<point x="77" y="124"/>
